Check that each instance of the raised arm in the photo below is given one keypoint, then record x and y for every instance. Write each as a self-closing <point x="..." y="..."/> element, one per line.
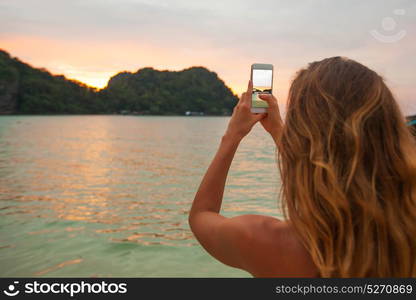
<point x="261" y="245"/>
<point x="210" y="228"/>
<point x="272" y="123"/>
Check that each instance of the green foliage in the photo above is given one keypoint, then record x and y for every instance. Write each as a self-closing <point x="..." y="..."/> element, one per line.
<point x="148" y="91"/>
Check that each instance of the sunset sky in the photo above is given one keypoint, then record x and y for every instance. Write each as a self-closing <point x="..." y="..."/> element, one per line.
<point x="91" y="40"/>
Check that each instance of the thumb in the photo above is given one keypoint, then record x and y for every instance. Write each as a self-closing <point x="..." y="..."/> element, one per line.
<point x="269" y="98"/>
<point x="258" y="117"/>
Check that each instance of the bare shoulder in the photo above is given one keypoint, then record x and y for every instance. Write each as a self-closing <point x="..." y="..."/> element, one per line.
<point x="272" y="248"/>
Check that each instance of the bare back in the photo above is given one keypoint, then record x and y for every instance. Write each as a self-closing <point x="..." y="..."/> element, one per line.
<point x="277" y="251"/>
<point x="261" y="245"/>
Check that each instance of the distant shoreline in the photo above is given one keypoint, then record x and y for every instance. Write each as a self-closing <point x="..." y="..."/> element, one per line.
<point x="121" y="115"/>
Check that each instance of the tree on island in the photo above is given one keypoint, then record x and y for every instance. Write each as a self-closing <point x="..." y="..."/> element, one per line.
<point x="28" y="90"/>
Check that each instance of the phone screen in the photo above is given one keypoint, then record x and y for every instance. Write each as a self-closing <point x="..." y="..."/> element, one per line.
<point x="262" y="83"/>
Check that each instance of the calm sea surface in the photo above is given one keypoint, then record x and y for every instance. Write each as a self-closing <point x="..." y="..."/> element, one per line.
<point x="109" y="195"/>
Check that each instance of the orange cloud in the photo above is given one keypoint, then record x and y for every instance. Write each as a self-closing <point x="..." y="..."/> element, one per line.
<point x="95" y="62"/>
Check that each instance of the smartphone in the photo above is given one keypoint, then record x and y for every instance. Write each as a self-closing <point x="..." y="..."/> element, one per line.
<point x="262" y="79"/>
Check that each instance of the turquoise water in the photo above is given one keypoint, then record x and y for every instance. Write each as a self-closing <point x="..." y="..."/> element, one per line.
<point x="109" y="195"/>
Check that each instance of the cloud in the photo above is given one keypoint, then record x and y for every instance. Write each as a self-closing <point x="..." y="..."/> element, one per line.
<point x="226" y="36"/>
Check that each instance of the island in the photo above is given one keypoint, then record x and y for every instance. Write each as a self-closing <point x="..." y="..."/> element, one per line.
<point x="195" y="91"/>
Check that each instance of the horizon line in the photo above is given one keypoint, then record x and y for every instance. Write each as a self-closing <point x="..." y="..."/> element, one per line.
<point x="119" y="72"/>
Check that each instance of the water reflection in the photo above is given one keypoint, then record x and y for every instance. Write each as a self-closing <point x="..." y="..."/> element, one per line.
<point x="58" y="266"/>
<point x="118" y="180"/>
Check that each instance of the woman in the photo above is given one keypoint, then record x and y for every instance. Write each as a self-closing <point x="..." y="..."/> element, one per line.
<point x="348" y="169"/>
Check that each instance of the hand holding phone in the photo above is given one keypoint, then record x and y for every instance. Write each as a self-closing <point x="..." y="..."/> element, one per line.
<point x="242" y="120"/>
<point x="272" y="122"/>
<point x="262" y="79"/>
<point x="263" y="101"/>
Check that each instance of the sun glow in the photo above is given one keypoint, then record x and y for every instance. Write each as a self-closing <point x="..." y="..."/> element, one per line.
<point x="83" y="62"/>
<point x="97" y="80"/>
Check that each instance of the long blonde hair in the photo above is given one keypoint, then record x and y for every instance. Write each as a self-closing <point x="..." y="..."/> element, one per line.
<point x="348" y="168"/>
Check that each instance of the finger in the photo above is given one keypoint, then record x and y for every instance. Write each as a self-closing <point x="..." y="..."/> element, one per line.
<point x="240" y="99"/>
<point x="269" y="98"/>
<point x="248" y="93"/>
<point x="258" y="117"/>
<point x="234" y="109"/>
<point x="244" y="103"/>
<point x="250" y="87"/>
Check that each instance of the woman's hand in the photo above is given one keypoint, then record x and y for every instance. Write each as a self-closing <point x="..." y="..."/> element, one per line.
<point x="272" y="122"/>
<point x="242" y="119"/>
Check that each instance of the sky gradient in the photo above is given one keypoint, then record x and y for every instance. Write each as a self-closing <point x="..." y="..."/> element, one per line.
<point x="91" y="40"/>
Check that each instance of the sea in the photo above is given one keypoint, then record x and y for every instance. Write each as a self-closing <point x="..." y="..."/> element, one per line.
<point x="109" y="195"/>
